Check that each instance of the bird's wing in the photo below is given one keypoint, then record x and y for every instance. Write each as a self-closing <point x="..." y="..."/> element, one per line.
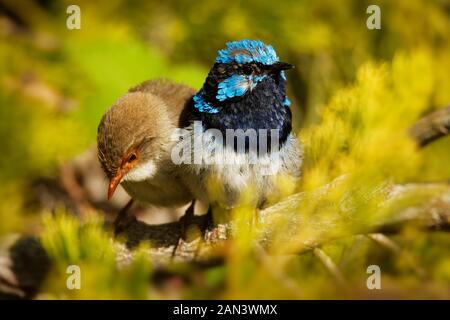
<point x="175" y="95"/>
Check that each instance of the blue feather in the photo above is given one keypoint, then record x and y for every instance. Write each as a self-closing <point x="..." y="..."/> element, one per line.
<point x="246" y="51"/>
<point x="202" y="105"/>
<point x="286" y="102"/>
<point x="236" y="86"/>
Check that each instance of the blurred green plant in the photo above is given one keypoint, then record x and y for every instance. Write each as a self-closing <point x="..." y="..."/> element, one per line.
<point x="69" y="241"/>
<point x="356" y="92"/>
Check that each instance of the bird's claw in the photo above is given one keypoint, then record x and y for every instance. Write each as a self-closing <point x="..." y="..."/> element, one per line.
<point x="123" y="219"/>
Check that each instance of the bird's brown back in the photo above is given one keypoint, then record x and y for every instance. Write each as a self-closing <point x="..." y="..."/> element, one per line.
<point x="176" y="96"/>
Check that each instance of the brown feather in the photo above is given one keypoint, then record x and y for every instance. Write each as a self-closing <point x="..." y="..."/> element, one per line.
<point x="147" y="114"/>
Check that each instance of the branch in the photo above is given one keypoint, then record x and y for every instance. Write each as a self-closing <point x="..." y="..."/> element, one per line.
<point x="28" y="261"/>
<point x="431" y="127"/>
<point x="433" y="214"/>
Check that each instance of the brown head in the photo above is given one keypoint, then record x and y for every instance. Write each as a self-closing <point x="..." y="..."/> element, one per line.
<point x="133" y="137"/>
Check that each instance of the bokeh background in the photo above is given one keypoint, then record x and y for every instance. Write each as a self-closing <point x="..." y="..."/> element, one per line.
<point x="355" y="92"/>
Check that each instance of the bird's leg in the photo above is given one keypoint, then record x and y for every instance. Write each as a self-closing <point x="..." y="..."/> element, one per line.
<point x="185" y="221"/>
<point x="215" y="223"/>
<point x="208" y="223"/>
<point x="122" y="219"/>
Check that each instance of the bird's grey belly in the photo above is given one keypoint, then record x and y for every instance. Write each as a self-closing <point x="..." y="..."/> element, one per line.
<point x="225" y="182"/>
<point x="166" y="193"/>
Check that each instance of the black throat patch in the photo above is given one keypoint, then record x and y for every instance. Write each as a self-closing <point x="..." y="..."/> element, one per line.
<point x="261" y="109"/>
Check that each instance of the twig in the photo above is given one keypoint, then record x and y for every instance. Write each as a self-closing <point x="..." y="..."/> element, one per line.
<point x="431" y="127"/>
<point x="433" y="214"/>
<point x="384" y="241"/>
<point x="330" y="266"/>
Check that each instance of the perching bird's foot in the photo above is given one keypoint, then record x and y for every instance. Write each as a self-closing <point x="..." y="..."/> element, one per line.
<point x="209" y="232"/>
<point x="206" y="231"/>
<point x="185" y="221"/>
<point x="215" y="230"/>
<point x="123" y="219"/>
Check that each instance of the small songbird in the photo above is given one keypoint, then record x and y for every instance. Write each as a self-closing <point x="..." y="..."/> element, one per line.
<point x="245" y="91"/>
<point x="135" y="138"/>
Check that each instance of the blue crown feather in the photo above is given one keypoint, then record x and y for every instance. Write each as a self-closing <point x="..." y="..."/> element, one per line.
<point x="236" y="86"/>
<point x="246" y="51"/>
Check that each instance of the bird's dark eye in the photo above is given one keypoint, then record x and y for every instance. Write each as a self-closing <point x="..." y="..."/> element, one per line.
<point x="132" y="157"/>
<point x="247" y="70"/>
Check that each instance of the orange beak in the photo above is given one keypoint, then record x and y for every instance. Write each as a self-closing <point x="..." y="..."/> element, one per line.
<point x="114" y="182"/>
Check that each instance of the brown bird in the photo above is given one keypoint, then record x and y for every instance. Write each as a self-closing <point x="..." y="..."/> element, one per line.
<point x="134" y="141"/>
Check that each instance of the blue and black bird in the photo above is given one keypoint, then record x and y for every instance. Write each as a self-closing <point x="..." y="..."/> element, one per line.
<point x="245" y="89"/>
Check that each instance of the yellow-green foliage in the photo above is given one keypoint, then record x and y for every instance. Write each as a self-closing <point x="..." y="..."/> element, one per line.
<point x="69" y="241"/>
<point x="355" y="93"/>
<point x="360" y="146"/>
